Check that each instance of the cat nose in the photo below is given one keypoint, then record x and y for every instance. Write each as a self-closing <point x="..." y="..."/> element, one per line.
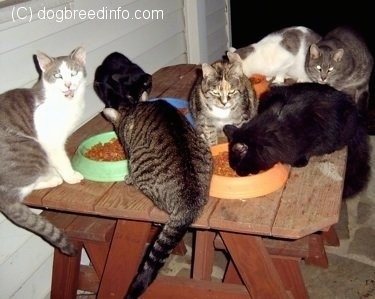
<point x="68" y="84"/>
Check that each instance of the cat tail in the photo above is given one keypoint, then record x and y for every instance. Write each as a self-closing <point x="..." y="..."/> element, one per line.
<point x="358" y="168"/>
<point x="167" y="239"/>
<point x="22" y="216"/>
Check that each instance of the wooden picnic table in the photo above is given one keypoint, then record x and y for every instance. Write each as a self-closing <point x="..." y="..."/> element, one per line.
<point x="306" y="206"/>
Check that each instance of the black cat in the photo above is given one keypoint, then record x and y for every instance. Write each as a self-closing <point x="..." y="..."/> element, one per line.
<point x="299" y="121"/>
<point x="118" y="78"/>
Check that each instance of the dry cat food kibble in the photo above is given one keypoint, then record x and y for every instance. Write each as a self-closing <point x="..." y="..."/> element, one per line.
<point x="107" y="151"/>
<point x="221" y="165"/>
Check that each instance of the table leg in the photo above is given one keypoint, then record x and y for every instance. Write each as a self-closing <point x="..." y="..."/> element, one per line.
<point x="124" y="257"/>
<point x="203" y="254"/>
<point x="255" y="266"/>
<point x="291" y="275"/>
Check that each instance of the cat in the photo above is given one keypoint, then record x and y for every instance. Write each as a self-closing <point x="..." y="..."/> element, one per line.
<point x="342" y="59"/>
<point x="34" y="126"/>
<point x="279" y="55"/>
<point x="297" y="122"/>
<point x="118" y="78"/>
<point x="171" y="165"/>
<point x="221" y="95"/>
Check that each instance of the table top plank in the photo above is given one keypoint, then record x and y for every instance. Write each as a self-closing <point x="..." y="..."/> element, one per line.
<point x="312" y="196"/>
<point x="81" y="197"/>
<point x="124" y="201"/>
<point x="202" y="222"/>
<point x="255" y="215"/>
<point x="35" y="199"/>
<point x="173" y="81"/>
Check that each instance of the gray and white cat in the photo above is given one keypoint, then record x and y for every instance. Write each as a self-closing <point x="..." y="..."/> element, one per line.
<point x="221" y="95"/>
<point x="171" y="165"/>
<point x="34" y="126"/>
<point x="279" y="55"/>
<point x="342" y="60"/>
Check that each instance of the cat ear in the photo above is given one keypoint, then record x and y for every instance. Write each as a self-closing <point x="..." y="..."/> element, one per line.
<point x="79" y="54"/>
<point x="235" y="60"/>
<point x="240" y="149"/>
<point x="314" y="51"/>
<point x="337" y="55"/>
<point x="234" y="57"/>
<point x="208" y="70"/>
<point x="44" y="61"/>
<point x="111" y="114"/>
<point x="229" y="130"/>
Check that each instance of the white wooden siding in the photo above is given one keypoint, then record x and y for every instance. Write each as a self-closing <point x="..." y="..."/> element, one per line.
<point x="216" y="22"/>
<point x="207" y="30"/>
<point x="25" y="259"/>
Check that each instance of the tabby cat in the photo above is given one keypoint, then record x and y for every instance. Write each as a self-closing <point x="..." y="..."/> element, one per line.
<point x="299" y="121"/>
<point x="34" y="126"/>
<point x="221" y="95"/>
<point x="171" y="165"/>
<point x="342" y="59"/>
<point x="118" y="78"/>
<point x="279" y="55"/>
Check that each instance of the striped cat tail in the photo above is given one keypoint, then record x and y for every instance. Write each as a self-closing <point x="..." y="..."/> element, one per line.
<point x="167" y="239"/>
<point x="22" y="216"/>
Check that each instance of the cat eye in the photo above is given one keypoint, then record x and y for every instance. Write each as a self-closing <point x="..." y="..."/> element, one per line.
<point x="215" y="93"/>
<point x="330" y="69"/>
<point x="73" y="73"/>
<point x="231" y="92"/>
<point x="318" y="68"/>
<point x="58" y="76"/>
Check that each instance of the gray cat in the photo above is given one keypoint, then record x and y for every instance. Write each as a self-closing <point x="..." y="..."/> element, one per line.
<point x="171" y="165"/>
<point x="342" y="60"/>
<point x="221" y="95"/>
<point x="34" y="126"/>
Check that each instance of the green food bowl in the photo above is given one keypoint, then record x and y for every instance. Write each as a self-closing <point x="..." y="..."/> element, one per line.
<point x="99" y="171"/>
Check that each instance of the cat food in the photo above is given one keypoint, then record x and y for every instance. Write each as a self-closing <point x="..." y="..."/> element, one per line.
<point x="221" y="165"/>
<point x="107" y="151"/>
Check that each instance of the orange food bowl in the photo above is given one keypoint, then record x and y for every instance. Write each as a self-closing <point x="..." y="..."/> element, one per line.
<point x="250" y="186"/>
<point x="260" y="84"/>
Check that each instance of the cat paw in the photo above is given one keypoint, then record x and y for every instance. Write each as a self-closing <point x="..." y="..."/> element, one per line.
<point x="279" y="80"/>
<point x="128" y="180"/>
<point x="74" y="178"/>
<point x="48" y="182"/>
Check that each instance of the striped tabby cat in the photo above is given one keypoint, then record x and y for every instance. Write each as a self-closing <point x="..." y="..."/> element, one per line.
<point x="221" y="95"/>
<point x="34" y="126"/>
<point x="342" y="60"/>
<point x="171" y="165"/>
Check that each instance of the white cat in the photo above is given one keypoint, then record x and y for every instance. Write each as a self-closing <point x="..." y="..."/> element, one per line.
<point x="63" y="83"/>
<point x="34" y="126"/>
<point x="279" y="55"/>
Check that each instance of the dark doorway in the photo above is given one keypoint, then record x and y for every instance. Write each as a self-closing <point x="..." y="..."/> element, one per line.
<point x="252" y="20"/>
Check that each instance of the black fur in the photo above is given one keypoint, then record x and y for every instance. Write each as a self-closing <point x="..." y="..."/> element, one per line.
<point x="299" y="121"/>
<point x="118" y="78"/>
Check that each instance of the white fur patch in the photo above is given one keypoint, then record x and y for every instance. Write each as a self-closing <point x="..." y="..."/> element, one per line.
<point x="219" y="112"/>
<point x="274" y="61"/>
<point x="330" y="170"/>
